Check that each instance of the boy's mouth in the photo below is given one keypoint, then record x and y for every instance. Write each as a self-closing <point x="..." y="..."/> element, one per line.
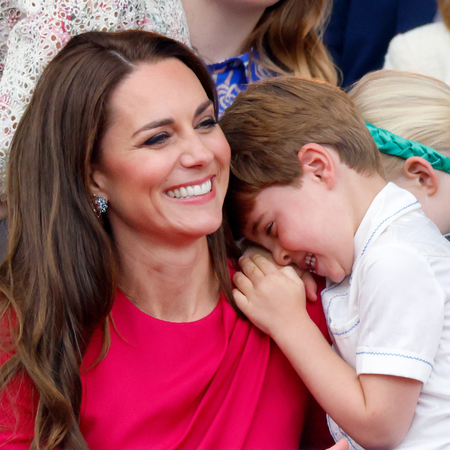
<point x="310" y="261"/>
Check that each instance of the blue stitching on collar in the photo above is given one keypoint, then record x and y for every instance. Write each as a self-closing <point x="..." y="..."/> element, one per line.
<point x="328" y="289"/>
<point x="381" y="223"/>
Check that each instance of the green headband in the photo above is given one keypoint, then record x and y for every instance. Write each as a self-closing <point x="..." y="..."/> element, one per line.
<point x="392" y="144"/>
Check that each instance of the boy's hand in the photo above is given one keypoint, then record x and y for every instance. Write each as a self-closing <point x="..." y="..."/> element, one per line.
<point x="270" y="297"/>
<point x="305" y="275"/>
<point x="341" y="445"/>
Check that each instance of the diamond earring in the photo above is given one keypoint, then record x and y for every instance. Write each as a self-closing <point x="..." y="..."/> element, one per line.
<point x="101" y="204"/>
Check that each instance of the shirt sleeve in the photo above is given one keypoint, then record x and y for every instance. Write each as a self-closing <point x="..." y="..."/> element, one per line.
<point x="401" y="306"/>
<point x="34" y="33"/>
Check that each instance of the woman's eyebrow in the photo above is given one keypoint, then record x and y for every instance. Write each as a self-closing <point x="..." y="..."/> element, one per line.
<point x="202" y="107"/>
<point x="164" y="122"/>
<point x="154" y="124"/>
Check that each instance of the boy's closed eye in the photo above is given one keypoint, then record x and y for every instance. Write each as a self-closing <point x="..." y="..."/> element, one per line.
<point x="269" y="228"/>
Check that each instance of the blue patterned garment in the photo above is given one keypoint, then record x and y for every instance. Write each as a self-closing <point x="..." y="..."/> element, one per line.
<point x="234" y="75"/>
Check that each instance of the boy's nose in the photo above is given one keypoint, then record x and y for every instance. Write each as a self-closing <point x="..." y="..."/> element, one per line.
<point x="282" y="257"/>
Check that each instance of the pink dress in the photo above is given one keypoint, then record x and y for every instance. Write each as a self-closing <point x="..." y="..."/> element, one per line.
<point x="217" y="383"/>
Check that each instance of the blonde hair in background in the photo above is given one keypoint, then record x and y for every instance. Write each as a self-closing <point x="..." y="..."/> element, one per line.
<point x="288" y="39"/>
<point x="414" y="106"/>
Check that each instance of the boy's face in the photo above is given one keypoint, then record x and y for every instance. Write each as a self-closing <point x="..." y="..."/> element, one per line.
<point x="305" y="226"/>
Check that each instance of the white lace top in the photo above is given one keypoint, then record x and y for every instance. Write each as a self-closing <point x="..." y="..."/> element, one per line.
<point x="33" y="31"/>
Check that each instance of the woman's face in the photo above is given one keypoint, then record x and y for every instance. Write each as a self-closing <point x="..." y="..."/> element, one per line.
<point x="164" y="161"/>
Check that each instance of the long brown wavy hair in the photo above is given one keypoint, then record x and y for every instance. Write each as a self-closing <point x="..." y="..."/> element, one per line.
<point x="288" y="39"/>
<point x="59" y="278"/>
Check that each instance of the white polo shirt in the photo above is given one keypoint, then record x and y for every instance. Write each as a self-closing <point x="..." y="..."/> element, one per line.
<point x="391" y="316"/>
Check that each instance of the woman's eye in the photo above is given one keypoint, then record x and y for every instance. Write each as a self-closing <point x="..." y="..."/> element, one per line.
<point x="269" y="228"/>
<point x="207" y="123"/>
<point x="157" y="139"/>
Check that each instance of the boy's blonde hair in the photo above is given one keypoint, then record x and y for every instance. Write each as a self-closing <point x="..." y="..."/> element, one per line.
<point x="268" y="124"/>
<point x="413" y="106"/>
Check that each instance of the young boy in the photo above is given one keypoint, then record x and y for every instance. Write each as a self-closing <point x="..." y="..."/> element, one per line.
<point x="308" y="185"/>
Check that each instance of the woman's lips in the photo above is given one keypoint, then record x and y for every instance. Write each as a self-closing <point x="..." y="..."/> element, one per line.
<point x="193" y="190"/>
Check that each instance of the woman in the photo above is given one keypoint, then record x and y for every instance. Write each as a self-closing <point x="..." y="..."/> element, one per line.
<point x="248" y="40"/>
<point x="33" y="32"/>
<point x="117" y="177"/>
<point x="244" y="41"/>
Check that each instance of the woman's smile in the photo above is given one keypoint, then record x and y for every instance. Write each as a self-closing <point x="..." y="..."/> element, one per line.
<point x="191" y="190"/>
<point x="165" y="161"/>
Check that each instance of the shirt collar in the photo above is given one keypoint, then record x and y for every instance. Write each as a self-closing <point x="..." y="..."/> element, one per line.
<point x="390" y="203"/>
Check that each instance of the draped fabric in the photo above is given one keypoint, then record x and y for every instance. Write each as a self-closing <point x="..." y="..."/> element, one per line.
<point x="217" y="383"/>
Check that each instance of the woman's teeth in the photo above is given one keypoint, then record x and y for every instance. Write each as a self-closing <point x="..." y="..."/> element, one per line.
<point x="191" y="191"/>
<point x="310" y="260"/>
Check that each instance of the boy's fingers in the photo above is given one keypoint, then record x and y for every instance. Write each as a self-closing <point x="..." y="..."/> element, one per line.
<point x="290" y="272"/>
<point x="250" y="268"/>
<point x="310" y="286"/>
<point x="258" y="250"/>
<point x="241" y="300"/>
<point x="241" y="281"/>
<point x="341" y="445"/>
<point x="266" y="267"/>
<point x="311" y="292"/>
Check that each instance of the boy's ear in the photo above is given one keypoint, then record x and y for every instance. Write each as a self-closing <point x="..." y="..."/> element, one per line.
<point x="317" y="161"/>
<point x="420" y="170"/>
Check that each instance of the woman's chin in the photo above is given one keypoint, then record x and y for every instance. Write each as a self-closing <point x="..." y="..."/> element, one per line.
<point x="201" y="230"/>
<point x="212" y="229"/>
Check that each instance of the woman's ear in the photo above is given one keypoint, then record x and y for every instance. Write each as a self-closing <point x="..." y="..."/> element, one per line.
<point x="318" y="161"/>
<point x="420" y="170"/>
<point x="96" y="181"/>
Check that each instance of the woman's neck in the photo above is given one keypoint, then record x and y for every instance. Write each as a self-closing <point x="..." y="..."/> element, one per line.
<point x="218" y="29"/>
<point x="175" y="284"/>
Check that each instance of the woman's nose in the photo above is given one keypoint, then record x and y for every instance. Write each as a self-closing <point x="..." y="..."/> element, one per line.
<point x="196" y="153"/>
